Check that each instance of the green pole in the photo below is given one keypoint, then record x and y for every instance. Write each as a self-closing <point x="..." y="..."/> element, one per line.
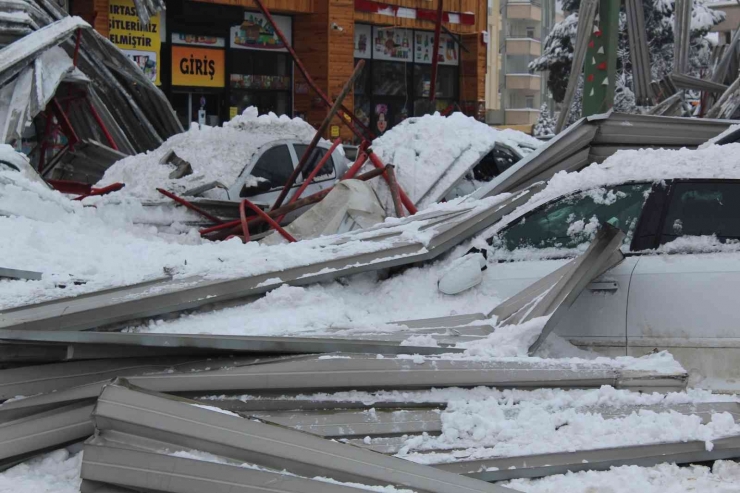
<point x="600" y="67"/>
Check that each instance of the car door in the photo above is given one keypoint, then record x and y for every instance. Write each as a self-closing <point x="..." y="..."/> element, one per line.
<point x="536" y="244"/>
<point x="686" y="297"/>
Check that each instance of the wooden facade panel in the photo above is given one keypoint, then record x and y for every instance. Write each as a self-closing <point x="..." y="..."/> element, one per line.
<point x="384" y="20"/>
<point x="341" y="55"/>
<point x="274" y="6"/>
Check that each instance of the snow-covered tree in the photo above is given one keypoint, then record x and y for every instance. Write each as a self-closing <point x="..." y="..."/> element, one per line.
<point x="557" y="54"/>
<point x="545" y="125"/>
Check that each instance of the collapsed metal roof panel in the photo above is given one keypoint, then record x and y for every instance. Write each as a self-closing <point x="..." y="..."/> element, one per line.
<point x="533" y="466"/>
<point x="15" y="57"/>
<point x="363" y="372"/>
<point x="45" y="430"/>
<point x="169" y="296"/>
<point x="160" y="472"/>
<point x="616" y="130"/>
<point x="170" y="420"/>
<point x="378" y="343"/>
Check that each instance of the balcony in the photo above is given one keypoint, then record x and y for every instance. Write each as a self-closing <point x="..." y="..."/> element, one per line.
<point x="525" y="82"/>
<point x="525" y="10"/>
<point x="524" y="116"/>
<point x="523" y="46"/>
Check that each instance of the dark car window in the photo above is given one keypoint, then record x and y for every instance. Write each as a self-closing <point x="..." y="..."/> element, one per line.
<point x="494" y="163"/>
<point x="571" y="221"/>
<point x="703" y="209"/>
<point x="327" y="170"/>
<point x="275" y="165"/>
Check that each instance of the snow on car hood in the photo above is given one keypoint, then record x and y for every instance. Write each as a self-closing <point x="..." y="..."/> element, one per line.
<point x="215" y="153"/>
<point x="432" y="153"/>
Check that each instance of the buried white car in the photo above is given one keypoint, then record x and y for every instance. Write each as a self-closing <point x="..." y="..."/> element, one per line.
<point x="679" y="285"/>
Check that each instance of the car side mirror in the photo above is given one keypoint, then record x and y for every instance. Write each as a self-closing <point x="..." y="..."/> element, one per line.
<point x="254" y="186"/>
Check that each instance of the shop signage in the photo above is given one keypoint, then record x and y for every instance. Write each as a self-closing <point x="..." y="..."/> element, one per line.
<point x="197" y="67"/>
<point x="233" y="110"/>
<point x="192" y="40"/>
<point x="392" y="44"/>
<point x="256" y="33"/>
<point x="334" y="131"/>
<point x="138" y="42"/>
<point x="363" y="35"/>
<point x="424" y="48"/>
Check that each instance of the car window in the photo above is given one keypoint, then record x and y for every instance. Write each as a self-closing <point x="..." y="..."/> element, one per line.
<point x="573" y="220"/>
<point x="494" y="163"/>
<point x="326" y="171"/>
<point x="274" y="165"/>
<point x="703" y="209"/>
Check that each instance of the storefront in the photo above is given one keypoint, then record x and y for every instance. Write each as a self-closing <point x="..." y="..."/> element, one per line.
<point x="234" y="61"/>
<point x="397" y="76"/>
<point x="214" y="58"/>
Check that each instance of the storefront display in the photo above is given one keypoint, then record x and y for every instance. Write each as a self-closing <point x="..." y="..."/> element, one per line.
<point x="396" y="81"/>
<point x="256" y="33"/>
<point x="141" y="43"/>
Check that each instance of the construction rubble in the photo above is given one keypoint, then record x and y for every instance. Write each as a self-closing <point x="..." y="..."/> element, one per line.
<point x="176" y="317"/>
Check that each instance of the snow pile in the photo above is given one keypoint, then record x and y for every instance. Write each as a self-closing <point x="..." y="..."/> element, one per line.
<point x="723" y="477"/>
<point x="431" y="153"/>
<point x="10" y="160"/>
<point x="55" y="472"/>
<point x="215" y="153"/>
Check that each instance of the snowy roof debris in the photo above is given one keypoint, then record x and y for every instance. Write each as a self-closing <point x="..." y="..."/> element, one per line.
<point x="217" y="154"/>
<point x="43" y="63"/>
<point x="433" y="153"/>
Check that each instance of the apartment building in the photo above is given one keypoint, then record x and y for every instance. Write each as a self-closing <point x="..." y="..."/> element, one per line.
<point x="523" y="26"/>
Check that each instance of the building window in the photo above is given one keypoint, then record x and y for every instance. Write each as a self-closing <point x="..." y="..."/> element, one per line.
<point x="529" y="102"/>
<point x="530" y="32"/>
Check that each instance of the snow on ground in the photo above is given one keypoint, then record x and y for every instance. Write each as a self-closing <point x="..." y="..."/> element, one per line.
<point x="55" y="472"/>
<point x="215" y="153"/>
<point x="432" y="152"/>
<point x="723" y="477"/>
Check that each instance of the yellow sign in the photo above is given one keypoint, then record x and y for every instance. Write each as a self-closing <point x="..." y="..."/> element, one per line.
<point x="334" y="130"/>
<point x="139" y="42"/>
<point x="198" y="67"/>
<point x="233" y="110"/>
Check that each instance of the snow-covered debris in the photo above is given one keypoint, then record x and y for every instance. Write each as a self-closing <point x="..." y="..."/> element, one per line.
<point x="55" y="472"/>
<point x="723" y="477"/>
<point x="10" y="160"/>
<point x="432" y="153"/>
<point x="711" y="142"/>
<point x="216" y="154"/>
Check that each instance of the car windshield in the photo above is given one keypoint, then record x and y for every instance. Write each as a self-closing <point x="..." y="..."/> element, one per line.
<point x="571" y="222"/>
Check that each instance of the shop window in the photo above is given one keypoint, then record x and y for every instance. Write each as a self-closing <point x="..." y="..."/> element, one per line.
<point x="275" y="165"/>
<point x="318" y="153"/>
<point x="389" y="79"/>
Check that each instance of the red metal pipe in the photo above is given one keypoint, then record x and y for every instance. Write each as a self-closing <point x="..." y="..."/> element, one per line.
<point x="435" y="53"/>
<point x="101" y="191"/>
<point x="102" y="126"/>
<point x="304" y="72"/>
<point x="314" y="172"/>
<point x="65" y="124"/>
<point x="311" y="177"/>
<point x="243" y="220"/>
<point x="352" y="171"/>
<point x="267" y="219"/>
<point x="77" y="47"/>
<point x="70" y="187"/>
<point x="404" y="198"/>
<point x="189" y="205"/>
